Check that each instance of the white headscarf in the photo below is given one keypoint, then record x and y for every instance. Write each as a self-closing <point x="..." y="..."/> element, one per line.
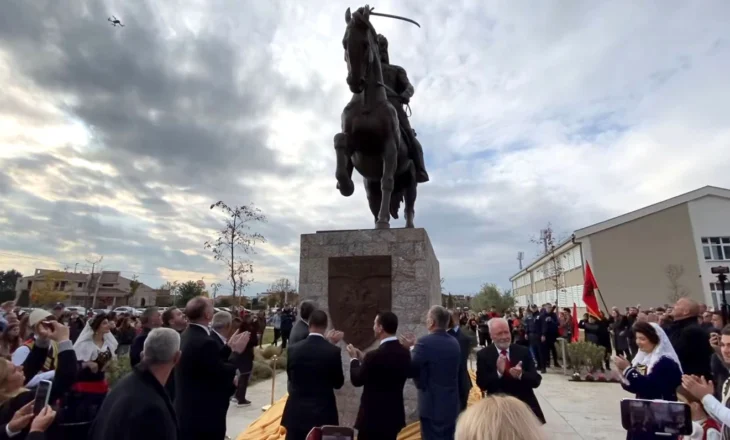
<point x="663" y="349"/>
<point x="85" y="348"/>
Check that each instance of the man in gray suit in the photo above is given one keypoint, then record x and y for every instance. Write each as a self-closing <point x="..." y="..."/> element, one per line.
<point x="300" y="331"/>
<point x="435" y="361"/>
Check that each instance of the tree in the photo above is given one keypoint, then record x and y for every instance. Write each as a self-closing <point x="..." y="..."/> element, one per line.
<point x="47" y="290"/>
<point x="224" y="302"/>
<point x="187" y="291"/>
<point x="133" y="287"/>
<point x="552" y="269"/>
<point x="489" y="295"/>
<point x="282" y="291"/>
<point x="8" y="280"/>
<point x="673" y="273"/>
<point x="235" y="241"/>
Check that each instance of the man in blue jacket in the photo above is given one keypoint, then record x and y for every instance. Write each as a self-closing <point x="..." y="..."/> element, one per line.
<point x="549" y="334"/>
<point x="533" y="328"/>
<point x="435" y="363"/>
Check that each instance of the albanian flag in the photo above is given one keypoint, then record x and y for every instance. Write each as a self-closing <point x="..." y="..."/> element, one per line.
<point x="589" y="295"/>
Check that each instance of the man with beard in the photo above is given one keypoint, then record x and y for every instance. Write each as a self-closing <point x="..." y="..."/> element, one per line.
<point x="175" y="319"/>
<point x="506" y="368"/>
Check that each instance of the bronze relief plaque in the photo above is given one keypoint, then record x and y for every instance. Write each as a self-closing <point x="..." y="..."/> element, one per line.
<point x="358" y="288"/>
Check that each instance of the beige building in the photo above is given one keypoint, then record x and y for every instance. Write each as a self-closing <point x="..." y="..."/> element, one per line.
<point x="110" y="287"/>
<point x="650" y="256"/>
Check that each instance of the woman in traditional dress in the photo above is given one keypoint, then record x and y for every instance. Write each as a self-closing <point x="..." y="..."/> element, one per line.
<point x="653" y="374"/>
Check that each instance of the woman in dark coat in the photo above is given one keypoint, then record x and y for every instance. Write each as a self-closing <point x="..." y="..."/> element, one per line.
<point x="619" y="328"/>
<point x="654" y="373"/>
<point x="244" y="361"/>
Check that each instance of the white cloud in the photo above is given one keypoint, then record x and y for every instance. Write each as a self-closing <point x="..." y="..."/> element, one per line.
<point x="529" y="113"/>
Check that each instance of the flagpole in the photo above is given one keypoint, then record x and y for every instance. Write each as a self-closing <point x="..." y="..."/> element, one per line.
<point x="603" y="301"/>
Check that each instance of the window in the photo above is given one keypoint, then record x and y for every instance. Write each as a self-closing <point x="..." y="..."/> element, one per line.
<point x="80" y="285"/>
<point x="716" y="293"/>
<point x="716" y="248"/>
<point x="107" y="285"/>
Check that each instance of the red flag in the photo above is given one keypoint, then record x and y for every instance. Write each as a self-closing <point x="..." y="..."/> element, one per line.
<point x="589" y="296"/>
<point x="576" y="328"/>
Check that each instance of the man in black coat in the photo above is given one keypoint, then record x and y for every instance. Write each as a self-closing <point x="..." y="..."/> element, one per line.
<point x="689" y="340"/>
<point x="138" y="408"/>
<point x="465" y="344"/>
<point x="314" y="369"/>
<point x="150" y="319"/>
<point x="204" y="381"/>
<point x="505" y="368"/>
<point x="300" y="331"/>
<point x="382" y="373"/>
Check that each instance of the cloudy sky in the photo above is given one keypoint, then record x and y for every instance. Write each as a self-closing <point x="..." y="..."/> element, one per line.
<point x="115" y="141"/>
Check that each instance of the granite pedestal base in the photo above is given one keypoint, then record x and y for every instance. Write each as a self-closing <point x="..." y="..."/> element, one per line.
<point x="336" y="266"/>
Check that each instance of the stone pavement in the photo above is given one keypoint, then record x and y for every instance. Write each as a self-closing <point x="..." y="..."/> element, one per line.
<point x="259" y="394"/>
<point x="573" y="410"/>
<point x="580" y="410"/>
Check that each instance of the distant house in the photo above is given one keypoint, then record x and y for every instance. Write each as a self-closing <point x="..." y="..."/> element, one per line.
<point x="111" y="289"/>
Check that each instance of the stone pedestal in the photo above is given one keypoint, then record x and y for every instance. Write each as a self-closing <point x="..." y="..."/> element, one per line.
<point x="350" y="269"/>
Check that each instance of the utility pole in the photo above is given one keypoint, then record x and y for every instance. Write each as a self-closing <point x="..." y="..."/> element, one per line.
<point x="75" y="267"/>
<point x="93" y="263"/>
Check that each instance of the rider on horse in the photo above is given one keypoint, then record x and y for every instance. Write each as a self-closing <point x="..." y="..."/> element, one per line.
<point x="400" y="91"/>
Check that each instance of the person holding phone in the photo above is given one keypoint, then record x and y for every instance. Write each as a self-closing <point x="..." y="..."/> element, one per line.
<point x="15" y="395"/>
<point x="24" y="417"/>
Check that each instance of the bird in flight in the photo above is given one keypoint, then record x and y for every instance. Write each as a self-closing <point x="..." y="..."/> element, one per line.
<point x="114" y="21"/>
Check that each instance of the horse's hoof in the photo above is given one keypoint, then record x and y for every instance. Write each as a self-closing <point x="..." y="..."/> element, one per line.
<point x="346" y="188"/>
<point x="382" y="225"/>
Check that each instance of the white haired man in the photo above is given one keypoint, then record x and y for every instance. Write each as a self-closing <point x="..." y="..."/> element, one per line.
<point x="140" y="397"/>
<point x="506" y="368"/>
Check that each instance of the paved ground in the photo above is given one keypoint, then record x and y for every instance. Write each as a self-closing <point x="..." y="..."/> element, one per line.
<point x="574" y="410"/>
<point x="259" y="395"/>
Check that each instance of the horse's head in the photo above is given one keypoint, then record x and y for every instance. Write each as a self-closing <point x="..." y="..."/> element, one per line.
<point x="360" y="46"/>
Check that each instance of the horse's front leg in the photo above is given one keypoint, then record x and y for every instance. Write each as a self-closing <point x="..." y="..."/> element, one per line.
<point x="390" y="163"/>
<point x="343" y="172"/>
<point x="411" y="194"/>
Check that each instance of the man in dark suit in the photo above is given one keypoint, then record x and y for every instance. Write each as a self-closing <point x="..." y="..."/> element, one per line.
<point x="140" y="397"/>
<point x="382" y="373"/>
<point x="204" y="381"/>
<point x="435" y="364"/>
<point x="506" y="368"/>
<point x="300" y="331"/>
<point x="150" y="319"/>
<point x="314" y="369"/>
<point x="465" y="344"/>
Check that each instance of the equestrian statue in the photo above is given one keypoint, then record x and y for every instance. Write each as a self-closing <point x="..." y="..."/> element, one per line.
<point x="376" y="137"/>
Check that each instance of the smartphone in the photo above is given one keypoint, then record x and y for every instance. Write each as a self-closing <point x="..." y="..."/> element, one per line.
<point x="660" y="417"/>
<point x="42" y="395"/>
<point x="337" y="433"/>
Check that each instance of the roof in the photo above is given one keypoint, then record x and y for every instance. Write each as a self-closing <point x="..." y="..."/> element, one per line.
<point x="653" y="209"/>
<point x="705" y="191"/>
<point x="561" y="247"/>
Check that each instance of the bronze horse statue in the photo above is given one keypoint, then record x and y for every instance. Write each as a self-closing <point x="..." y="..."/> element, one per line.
<point x="371" y="140"/>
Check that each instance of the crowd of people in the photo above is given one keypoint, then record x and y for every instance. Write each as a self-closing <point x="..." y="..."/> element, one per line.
<point x="189" y="365"/>
<point x="172" y="353"/>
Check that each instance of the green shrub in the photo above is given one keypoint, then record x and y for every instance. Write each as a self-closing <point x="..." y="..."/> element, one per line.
<point x="585" y="355"/>
<point x="118" y="369"/>
<point x="260" y="371"/>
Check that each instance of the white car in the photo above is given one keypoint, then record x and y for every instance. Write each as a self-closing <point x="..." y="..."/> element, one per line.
<point x="76" y="309"/>
<point x="125" y="309"/>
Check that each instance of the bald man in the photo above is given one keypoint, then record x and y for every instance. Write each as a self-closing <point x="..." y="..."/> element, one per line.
<point x="689" y="340"/>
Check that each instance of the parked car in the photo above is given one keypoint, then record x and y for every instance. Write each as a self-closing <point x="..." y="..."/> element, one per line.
<point x="76" y="309"/>
<point x="126" y="310"/>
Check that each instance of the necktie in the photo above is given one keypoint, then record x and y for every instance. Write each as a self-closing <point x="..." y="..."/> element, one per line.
<point x="507" y="365"/>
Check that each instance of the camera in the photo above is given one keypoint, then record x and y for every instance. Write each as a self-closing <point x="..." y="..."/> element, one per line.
<point x="718" y="270"/>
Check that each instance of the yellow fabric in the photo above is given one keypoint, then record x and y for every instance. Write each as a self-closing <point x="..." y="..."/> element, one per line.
<point x="267" y="427"/>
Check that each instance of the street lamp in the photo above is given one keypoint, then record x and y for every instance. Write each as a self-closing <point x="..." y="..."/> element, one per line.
<point x="721" y="272"/>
